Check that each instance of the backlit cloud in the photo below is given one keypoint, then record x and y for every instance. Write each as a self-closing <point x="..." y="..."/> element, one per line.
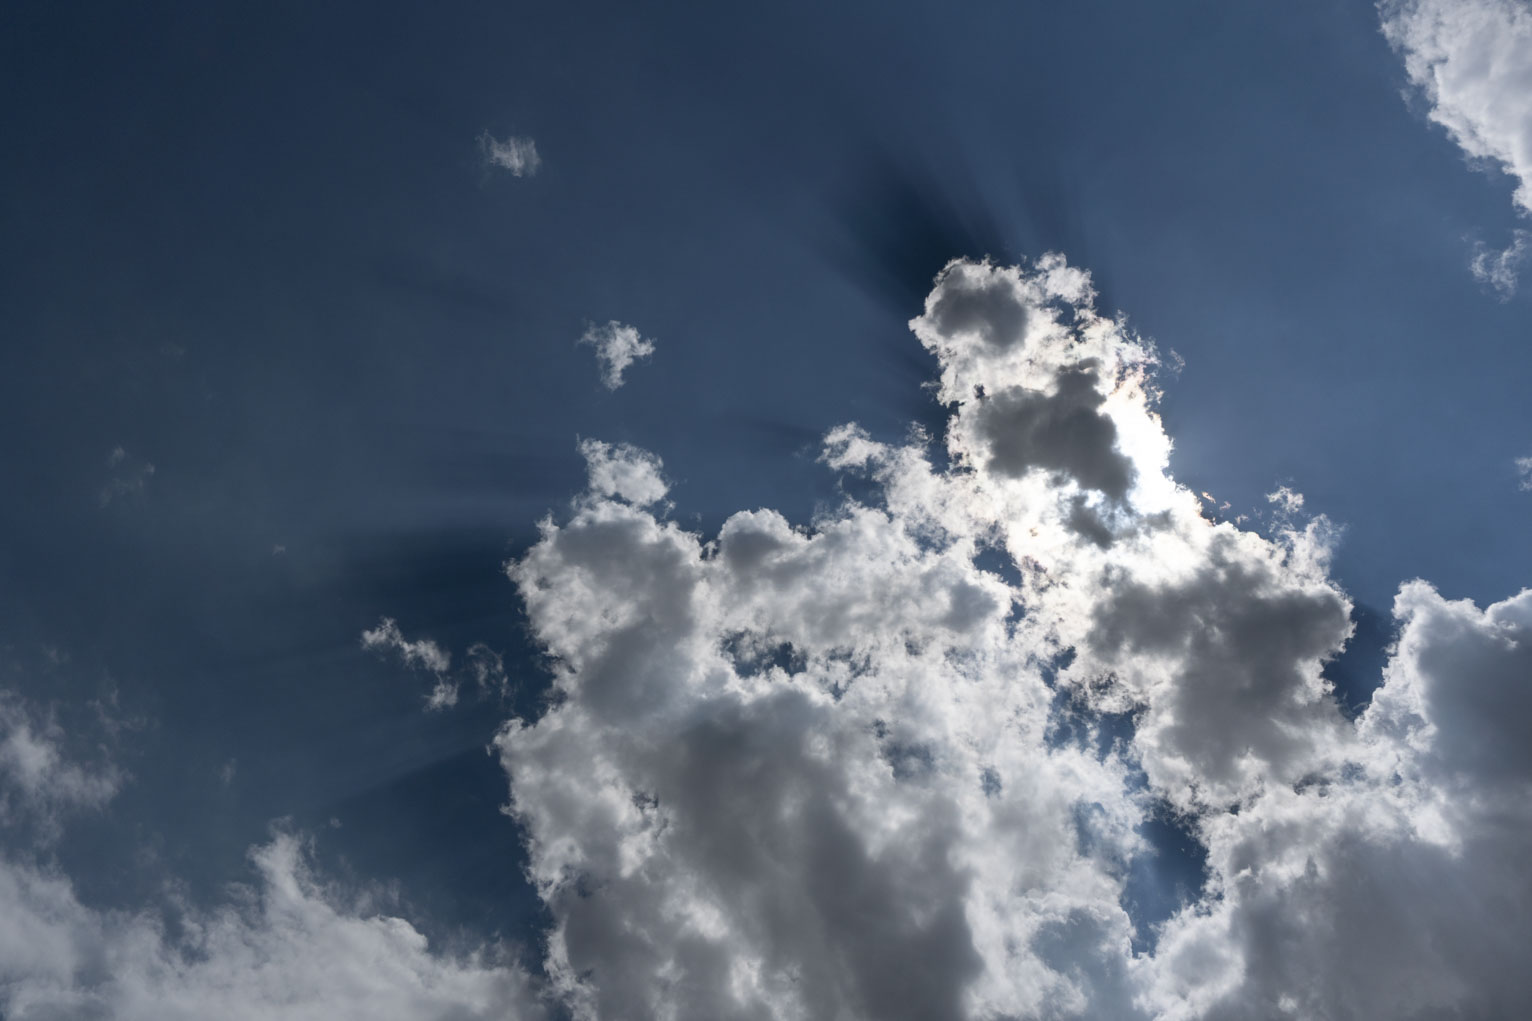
<point x="915" y="758"/>
<point x="902" y="761"/>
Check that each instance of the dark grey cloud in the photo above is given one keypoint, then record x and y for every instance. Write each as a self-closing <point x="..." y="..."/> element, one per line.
<point x="1241" y="644"/>
<point x="990" y="308"/>
<point x="1062" y="431"/>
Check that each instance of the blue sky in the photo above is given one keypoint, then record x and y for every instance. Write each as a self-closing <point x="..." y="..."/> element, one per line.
<point x="283" y="354"/>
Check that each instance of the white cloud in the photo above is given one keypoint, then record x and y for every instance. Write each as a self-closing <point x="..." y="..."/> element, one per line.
<point x="617" y="347"/>
<point x="425" y="654"/>
<point x="899" y="761"/>
<point x="1498" y="269"/>
<point x="516" y="154"/>
<point x="851" y="769"/>
<point x="1524" y="469"/>
<point x="289" y="946"/>
<point x="1472" y="60"/>
<point x="623" y="472"/>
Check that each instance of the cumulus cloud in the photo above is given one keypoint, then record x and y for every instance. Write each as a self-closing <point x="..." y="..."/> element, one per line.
<point x="514" y="153"/>
<point x="387" y="639"/>
<point x="1472" y="60"/>
<point x="617" y="347"/>
<point x="287" y="945"/>
<point x="901" y="761"/>
<point x="1524" y="471"/>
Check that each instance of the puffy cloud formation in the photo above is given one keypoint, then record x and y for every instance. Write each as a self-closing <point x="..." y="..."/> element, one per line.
<point x="425" y="654"/>
<point x="286" y="947"/>
<point x="518" y="155"/>
<point x="617" y="347"/>
<point x="624" y="472"/>
<point x="1472" y="59"/>
<point x="902" y="761"/>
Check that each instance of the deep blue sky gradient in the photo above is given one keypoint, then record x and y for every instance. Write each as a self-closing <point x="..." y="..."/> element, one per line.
<point x="256" y="246"/>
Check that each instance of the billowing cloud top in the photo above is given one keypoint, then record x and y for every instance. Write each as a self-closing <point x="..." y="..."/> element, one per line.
<point x="901" y="762"/>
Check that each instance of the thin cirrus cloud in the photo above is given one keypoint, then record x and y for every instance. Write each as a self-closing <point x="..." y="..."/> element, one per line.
<point x="1472" y="60"/>
<point x="842" y="769"/>
<point x="513" y="153"/>
<point x="617" y="348"/>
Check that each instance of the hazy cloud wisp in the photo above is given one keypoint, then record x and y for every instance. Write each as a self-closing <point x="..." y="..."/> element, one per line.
<point x="514" y="153"/>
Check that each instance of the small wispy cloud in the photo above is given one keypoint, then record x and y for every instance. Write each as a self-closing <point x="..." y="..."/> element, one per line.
<point x="1524" y="474"/>
<point x="488" y="669"/>
<point x="1286" y="499"/>
<point x="387" y="639"/>
<point x="129" y="476"/>
<point x="513" y="153"/>
<point x="482" y="665"/>
<point x="617" y="347"/>
<point x="1498" y="269"/>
